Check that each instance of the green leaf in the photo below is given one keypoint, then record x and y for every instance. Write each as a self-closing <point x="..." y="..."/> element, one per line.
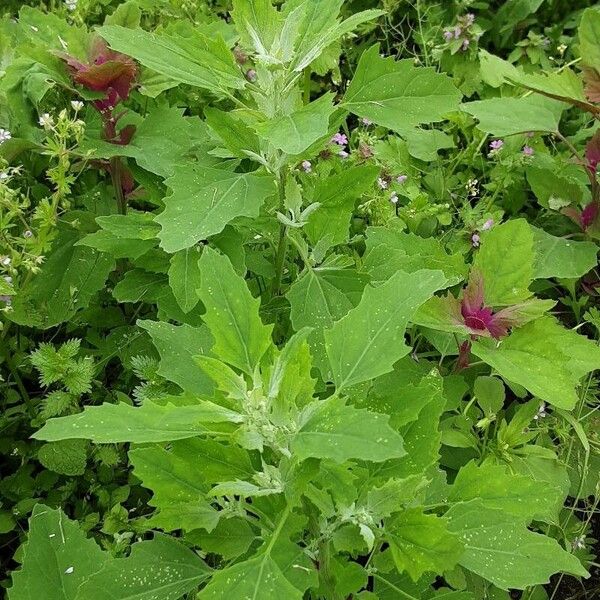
<point x="295" y="132"/>
<point x="259" y="577"/>
<point x="195" y="60"/>
<point x="184" y="277"/>
<point x="235" y="135"/>
<point x="561" y="257"/>
<point x="57" y="558"/>
<point x="369" y="339"/>
<point x="589" y="38"/>
<point x="116" y="247"/>
<point x="112" y="423"/>
<point x="241" y="339"/>
<point x="337" y="196"/>
<point x="390" y="250"/>
<point x="205" y="199"/>
<point x="178" y="486"/>
<point x="505" y="259"/>
<point x="501" y="549"/>
<point x="330" y="429"/>
<point x="176" y="346"/>
<point x="67" y="457"/>
<point x="509" y="116"/>
<point x="231" y="538"/>
<point x="544" y="358"/>
<point x="159" y="568"/>
<point x="398" y="95"/>
<point x="420" y="543"/>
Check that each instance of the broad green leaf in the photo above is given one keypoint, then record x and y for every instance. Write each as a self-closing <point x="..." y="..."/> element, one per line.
<point x="140" y="286"/>
<point x="178" y="486"/>
<point x="68" y="457"/>
<point x="561" y="257"/>
<point x="134" y="225"/>
<point x="112" y="423"/>
<point x="398" y="95"/>
<point x="295" y="132"/>
<point x="425" y="144"/>
<point x="184" y="277"/>
<point x="390" y="250"/>
<point x="231" y="538"/>
<point x="556" y="183"/>
<point x="204" y="200"/>
<point x="331" y="429"/>
<point x="257" y="578"/>
<point x="370" y="338"/>
<point x="70" y="277"/>
<point x="258" y="22"/>
<point x="159" y="568"/>
<point x="499" y="489"/>
<point x="544" y="358"/>
<point x="57" y="558"/>
<point x="589" y="38"/>
<point x="420" y="543"/>
<point x="241" y="338"/>
<point x="234" y="134"/>
<point x="176" y="346"/>
<point x="195" y="60"/>
<point x="337" y="196"/>
<point x="500" y="548"/>
<point x="164" y="139"/>
<point x="509" y="116"/>
<point x="505" y="259"/>
<point x="116" y="247"/>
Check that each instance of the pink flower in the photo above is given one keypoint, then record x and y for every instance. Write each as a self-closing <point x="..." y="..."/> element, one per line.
<point x="475" y="240"/>
<point x="496" y="144"/>
<point x="448" y="35"/>
<point x="528" y="151"/>
<point x="401" y="178"/>
<point x="487" y="225"/>
<point x="340" y="139"/>
<point x="366" y="121"/>
<point x="465" y="44"/>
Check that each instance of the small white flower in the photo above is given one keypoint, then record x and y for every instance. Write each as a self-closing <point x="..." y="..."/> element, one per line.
<point x="578" y="543"/>
<point x="541" y="413"/>
<point x="28" y="234"/>
<point x="46" y="121"/>
<point x="394" y="198"/>
<point x="306" y="165"/>
<point x="8" y="279"/>
<point x="77" y="105"/>
<point x="71" y="4"/>
<point x="382" y="183"/>
<point x="4" y="135"/>
<point x="3" y="175"/>
<point x="401" y="178"/>
<point x="5" y="261"/>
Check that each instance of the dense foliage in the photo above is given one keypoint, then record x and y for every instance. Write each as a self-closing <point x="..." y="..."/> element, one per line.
<point x="299" y="301"/>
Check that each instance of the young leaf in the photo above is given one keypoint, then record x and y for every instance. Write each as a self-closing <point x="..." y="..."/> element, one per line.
<point x="57" y="558"/>
<point x="398" y="95"/>
<point x="241" y="339"/>
<point x="501" y="549"/>
<point x="330" y="429"/>
<point x="370" y="338"/>
<point x="205" y="199"/>
<point x="112" y="423"/>
<point x="184" y="277"/>
<point x="421" y="543"/>
<point x="159" y="568"/>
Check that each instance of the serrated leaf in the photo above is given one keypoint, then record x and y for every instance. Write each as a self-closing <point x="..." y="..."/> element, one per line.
<point x="205" y="199"/>
<point x="67" y="457"/>
<point x="112" y="423"/>
<point x="57" y="558"/>
<point x="241" y="338"/>
<point x="184" y="278"/>
<point x="501" y="549"/>
<point x="505" y="260"/>
<point x="177" y="345"/>
<point x="421" y="543"/>
<point x="295" y="132"/>
<point x="370" y="338"/>
<point x="544" y="358"/>
<point x="398" y="95"/>
<point x="330" y="429"/>
<point x="178" y="486"/>
<point x="159" y="568"/>
<point x="589" y="38"/>
<point x="197" y="60"/>
<point x="561" y="257"/>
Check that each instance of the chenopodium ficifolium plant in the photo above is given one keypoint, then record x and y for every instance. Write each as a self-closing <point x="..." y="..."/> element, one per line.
<point x="311" y="468"/>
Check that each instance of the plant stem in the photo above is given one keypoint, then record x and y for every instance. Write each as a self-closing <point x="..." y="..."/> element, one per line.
<point x="116" y="175"/>
<point x="282" y="243"/>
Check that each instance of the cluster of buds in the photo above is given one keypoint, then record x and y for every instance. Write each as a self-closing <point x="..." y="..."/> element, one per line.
<point x="462" y="34"/>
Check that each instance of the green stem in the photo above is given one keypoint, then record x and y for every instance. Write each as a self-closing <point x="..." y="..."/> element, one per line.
<point x="282" y="243"/>
<point x="306" y="87"/>
<point x="116" y="175"/>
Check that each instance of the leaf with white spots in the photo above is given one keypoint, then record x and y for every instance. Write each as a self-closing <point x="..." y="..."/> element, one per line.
<point x="241" y="338"/>
<point x="330" y="429"/>
<point x="370" y="338"/>
<point x="57" y="558"/>
<point x="500" y="548"/>
<point x="113" y="423"/>
<point x="158" y="569"/>
<point x="205" y="199"/>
